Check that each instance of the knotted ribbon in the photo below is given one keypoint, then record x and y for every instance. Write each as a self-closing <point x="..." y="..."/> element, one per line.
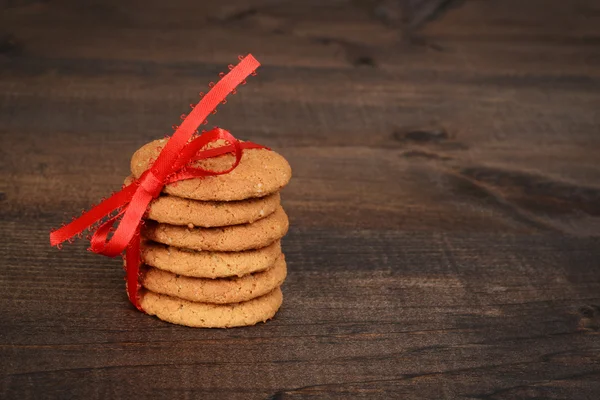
<point x="128" y="206"/>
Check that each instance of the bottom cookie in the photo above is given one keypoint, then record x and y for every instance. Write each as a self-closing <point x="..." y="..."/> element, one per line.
<point x="205" y="315"/>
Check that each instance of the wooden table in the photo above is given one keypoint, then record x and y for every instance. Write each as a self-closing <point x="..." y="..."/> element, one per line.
<point x="445" y="204"/>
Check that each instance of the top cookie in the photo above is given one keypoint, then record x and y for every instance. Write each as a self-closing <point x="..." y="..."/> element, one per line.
<point x="260" y="173"/>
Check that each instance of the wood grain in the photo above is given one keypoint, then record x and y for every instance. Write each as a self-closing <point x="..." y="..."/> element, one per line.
<point x="444" y="207"/>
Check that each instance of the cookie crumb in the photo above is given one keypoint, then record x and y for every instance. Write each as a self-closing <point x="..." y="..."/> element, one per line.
<point x="191" y="226"/>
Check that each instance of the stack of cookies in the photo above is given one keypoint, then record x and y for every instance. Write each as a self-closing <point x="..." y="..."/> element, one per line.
<point x="211" y="246"/>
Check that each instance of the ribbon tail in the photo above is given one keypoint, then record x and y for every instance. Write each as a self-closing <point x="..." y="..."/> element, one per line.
<point x="128" y="226"/>
<point x="132" y="266"/>
<point x="89" y="218"/>
<point x="201" y="111"/>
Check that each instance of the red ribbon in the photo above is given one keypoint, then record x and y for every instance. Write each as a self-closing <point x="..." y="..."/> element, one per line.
<point x="172" y="165"/>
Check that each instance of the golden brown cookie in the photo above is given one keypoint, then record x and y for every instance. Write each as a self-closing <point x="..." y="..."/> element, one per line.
<point x="217" y="291"/>
<point x="179" y="211"/>
<point x="260" y="173"/>
<point x="204" y="315"/>
<point x="209" y="264"/>
<point x="228" y="238"/>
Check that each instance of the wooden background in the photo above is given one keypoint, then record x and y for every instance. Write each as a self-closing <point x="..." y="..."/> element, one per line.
<point x="445" y="204"/>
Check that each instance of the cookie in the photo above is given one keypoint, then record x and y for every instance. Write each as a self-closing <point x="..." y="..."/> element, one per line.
<point x="229" y="238"/>
<point x="217" y="291"/>
<point x="261" y="172"/>
<point x="207" y="264"/>
<point x="180" y="211"/>
<point x="204" y="315"/>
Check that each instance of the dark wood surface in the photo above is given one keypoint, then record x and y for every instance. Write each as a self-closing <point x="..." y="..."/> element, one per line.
<point x="445" y="204"/>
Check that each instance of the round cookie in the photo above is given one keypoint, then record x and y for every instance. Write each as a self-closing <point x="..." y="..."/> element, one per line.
<point x="204" y="315"/>
<point x="215" y="291"/>
<point x="228" y="238"/>
<point x="179" y="211"/>
<point x="260" y="172"/>
<point x="207" y="264"/>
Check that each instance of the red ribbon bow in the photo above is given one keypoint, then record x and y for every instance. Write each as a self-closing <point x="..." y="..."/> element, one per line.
<point x="172" y="165"/>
